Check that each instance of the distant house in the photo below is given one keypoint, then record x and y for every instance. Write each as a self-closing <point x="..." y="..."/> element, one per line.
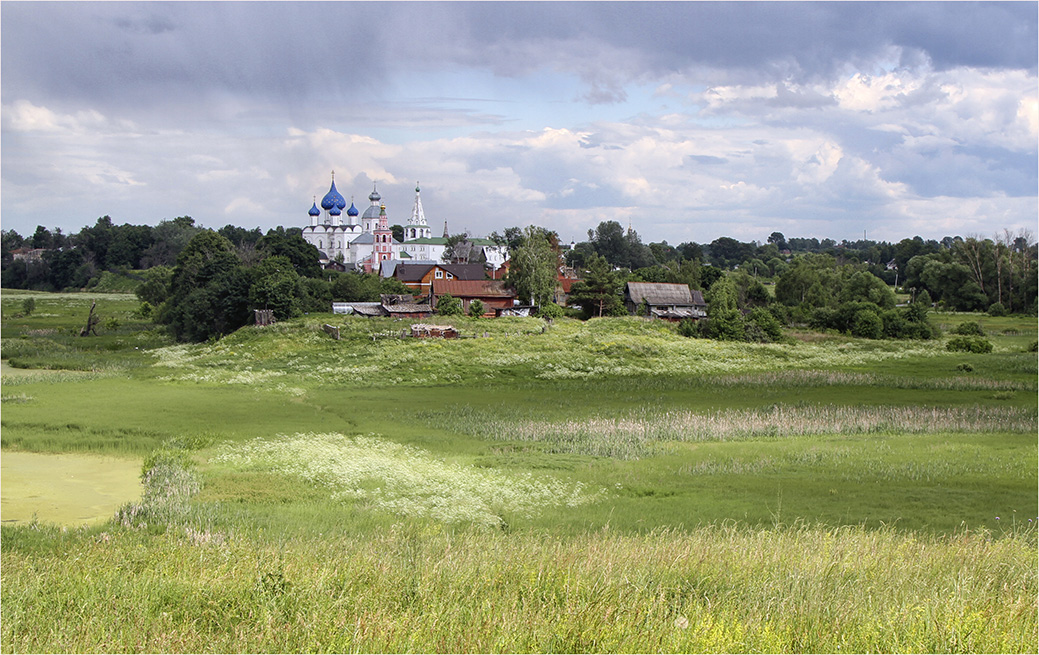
<point x="672" y="302"/>
<point x="420" y="277"/>
<point x="28" y="255"/>
<point x="564" y="283"/>
<point x="493" y="294"/>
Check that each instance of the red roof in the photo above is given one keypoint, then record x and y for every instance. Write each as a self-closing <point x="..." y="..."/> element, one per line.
<point x="472" y="288"/>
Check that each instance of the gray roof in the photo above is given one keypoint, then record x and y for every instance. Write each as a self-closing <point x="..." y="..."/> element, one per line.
<point x="659" y="293"/>
<point x="407" y="308"/>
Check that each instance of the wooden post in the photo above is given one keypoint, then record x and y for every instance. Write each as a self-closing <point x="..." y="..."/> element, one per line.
<point x="92" y="322"/>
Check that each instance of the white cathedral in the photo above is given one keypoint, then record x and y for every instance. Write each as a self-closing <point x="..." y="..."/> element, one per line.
<point x="365" y="241"/>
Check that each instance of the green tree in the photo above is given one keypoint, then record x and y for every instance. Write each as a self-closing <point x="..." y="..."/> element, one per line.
<point x="534" y="268"/>
<point x="304" y="256"/>
<point x="277" y="286"/>
<point x="208" y="290"/>
<point x="724" y="321"/>
<point x="476" y="308"/>
<point x="41" y="238"/>
<point x="156" y="286"/>
<point x="608" y="241"/>
<point x="598" y="292"/>
<point x="170" y="237"/>
<point x="865" y="286"/>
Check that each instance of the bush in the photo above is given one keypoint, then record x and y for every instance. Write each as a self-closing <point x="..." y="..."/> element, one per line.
<point x="969" y="328"/>
<point x="448" y="305"/>
<point x="551" y="310"/>
<point x="476" y="308"/>
<point x="28" y="305"/>
<point x="767" y="327"/>
<point x="965" y="367"/>
<point x="824" y="318"/>
<point x="689" y="328"/>
<point x="969" y="344"/>
<point x="867" y="325"/>
<point x="997" y="309"/>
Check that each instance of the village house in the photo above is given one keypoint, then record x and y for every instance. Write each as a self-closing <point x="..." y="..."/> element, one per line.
<point x="494" y="295"/>
<point x="672" y="302"/>
<point x="420" y="277"/>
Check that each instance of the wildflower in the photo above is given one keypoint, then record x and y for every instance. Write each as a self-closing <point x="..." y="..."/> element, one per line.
<point x="681" y="623"/>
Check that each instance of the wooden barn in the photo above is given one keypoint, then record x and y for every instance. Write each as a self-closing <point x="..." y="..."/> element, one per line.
<point x="671" y="302"/>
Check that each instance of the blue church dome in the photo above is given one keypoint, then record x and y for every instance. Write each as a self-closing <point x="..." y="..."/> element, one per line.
<point x="335" y="211"/>
<point x="352" y="211"/>
<point x="333" y="199"/>
<point x="314" y="211"/>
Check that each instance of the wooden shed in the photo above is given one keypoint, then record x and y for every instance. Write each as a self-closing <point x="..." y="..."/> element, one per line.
<point x="673" y="302"/>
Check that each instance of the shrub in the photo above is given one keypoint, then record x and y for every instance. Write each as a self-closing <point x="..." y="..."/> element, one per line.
<point x="551" y="310"/>
<point x="781" y="312"/>
<point x="967" y="368"/>
<point x="1034" y="347"/>
<point x="969" y="328"/>
<point x="824" y="318"/>
<point x="448" y="305"/>
<point x="28" y="305"/>
<point x="769" y="328"/>
<point x="689" y="328"/>
<point x="969" y="344"/>
<point x="997" y="309"/>
<point x="867" y="325"/>
<point x="476" y="308"/>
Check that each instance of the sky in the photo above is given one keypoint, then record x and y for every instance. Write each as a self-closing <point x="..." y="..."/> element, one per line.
<point x="687" y="121"/>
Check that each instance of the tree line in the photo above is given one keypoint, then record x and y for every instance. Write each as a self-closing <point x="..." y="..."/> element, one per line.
<point x="188" y="271"/>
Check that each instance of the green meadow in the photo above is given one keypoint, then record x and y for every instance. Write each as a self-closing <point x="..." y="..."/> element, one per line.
<point x="607" y="486"/>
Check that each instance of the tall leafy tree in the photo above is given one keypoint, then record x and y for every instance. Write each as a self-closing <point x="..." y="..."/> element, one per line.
<point x="208" y="290"/>
<point x="304" y="256"/>
<point x="277" y="286"/>
<point x="534" y="267"/>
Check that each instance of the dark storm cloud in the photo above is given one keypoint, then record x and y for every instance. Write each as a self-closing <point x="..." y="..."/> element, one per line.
<point x="180" y="54"/>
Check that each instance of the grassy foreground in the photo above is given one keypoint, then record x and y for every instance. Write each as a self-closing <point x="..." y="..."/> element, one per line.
<point x="598" y="487"/>
<point x="415" y="589"/>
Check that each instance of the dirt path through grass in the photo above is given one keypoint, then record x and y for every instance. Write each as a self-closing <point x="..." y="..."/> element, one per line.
<point x="67" y="489"/>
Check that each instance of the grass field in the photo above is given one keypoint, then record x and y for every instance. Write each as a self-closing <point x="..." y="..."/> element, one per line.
<point x="603" y="486"/>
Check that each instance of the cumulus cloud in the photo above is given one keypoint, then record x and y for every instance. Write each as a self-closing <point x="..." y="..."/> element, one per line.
<point x="692" y="120"/>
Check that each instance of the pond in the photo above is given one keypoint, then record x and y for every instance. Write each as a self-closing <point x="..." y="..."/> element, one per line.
<point x="65" y="489"/>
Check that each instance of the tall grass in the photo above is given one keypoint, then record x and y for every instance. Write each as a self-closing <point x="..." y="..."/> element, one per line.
<point x="719" y="588"/>
<point x="643" y="432"/>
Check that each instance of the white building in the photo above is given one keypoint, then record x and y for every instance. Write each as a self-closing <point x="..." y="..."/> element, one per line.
<point x="353" y="241"/>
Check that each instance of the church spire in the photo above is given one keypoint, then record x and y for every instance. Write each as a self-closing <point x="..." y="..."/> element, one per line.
<point x="418" y="217"/>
